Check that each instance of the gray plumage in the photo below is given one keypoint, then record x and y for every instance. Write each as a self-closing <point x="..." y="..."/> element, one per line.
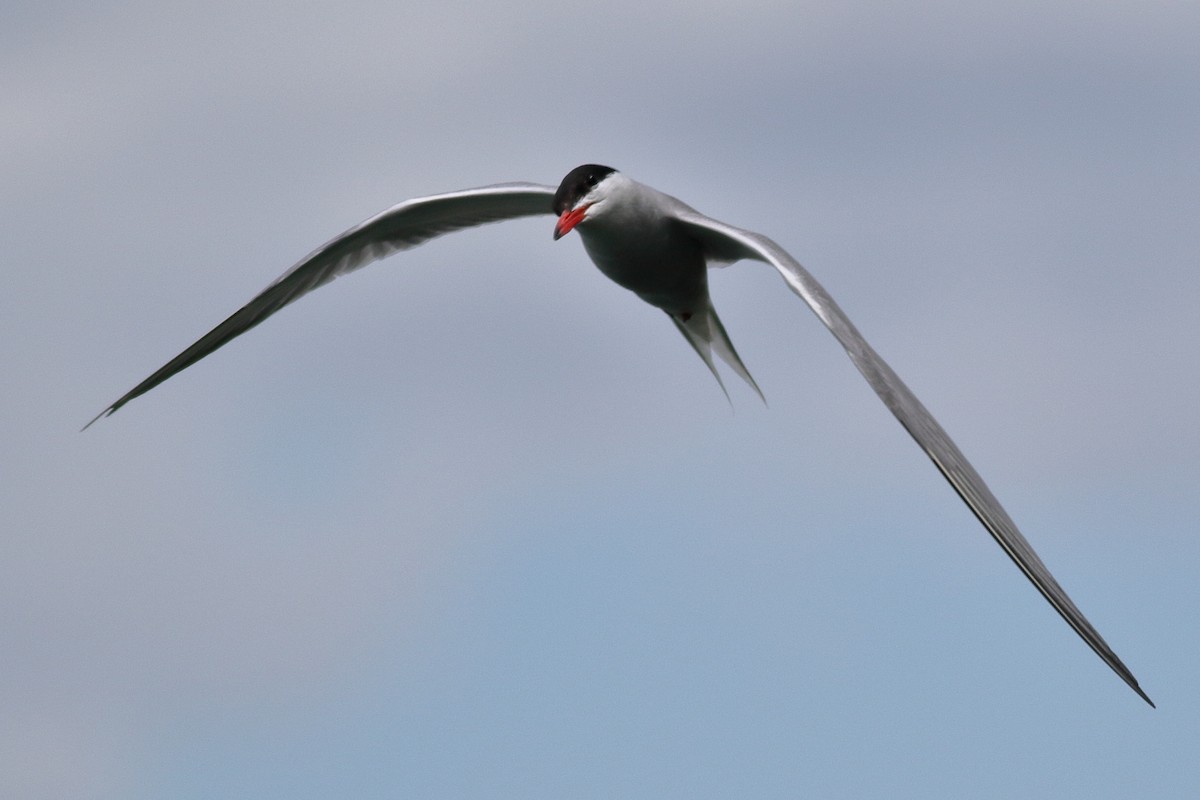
<point x="659" y="248"/>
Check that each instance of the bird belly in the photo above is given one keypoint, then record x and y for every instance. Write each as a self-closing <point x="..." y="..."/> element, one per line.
<point x="667" y="272"/>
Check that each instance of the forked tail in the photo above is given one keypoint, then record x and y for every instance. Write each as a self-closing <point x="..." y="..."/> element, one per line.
<point x="706" y="334"/>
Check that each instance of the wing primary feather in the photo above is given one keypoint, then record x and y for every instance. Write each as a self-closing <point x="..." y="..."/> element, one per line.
<point x="731" y="243"/>
<point x="400" y="227"/>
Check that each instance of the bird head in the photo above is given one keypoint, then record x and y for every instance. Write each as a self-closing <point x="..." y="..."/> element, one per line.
<point x="580" y="192"/>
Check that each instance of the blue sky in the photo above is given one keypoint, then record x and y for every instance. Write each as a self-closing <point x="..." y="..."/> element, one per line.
<point x="475" y="522"/>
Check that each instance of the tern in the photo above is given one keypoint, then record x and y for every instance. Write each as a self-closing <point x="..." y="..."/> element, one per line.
<point x="660" y="249"/>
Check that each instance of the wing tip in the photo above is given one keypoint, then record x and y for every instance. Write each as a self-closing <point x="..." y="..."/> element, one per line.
<point x="108" y="412"/>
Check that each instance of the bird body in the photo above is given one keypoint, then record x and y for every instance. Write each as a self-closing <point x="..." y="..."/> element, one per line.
<point x="659" y="248"/>
<point x="635" y="235"/>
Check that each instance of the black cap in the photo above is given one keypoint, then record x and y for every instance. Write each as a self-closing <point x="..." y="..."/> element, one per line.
<point x="577" y="183"/>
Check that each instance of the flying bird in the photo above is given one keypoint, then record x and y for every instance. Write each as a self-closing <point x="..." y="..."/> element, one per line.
<point x="659" y="248"/>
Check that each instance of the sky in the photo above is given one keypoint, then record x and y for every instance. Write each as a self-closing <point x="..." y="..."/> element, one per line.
<point x="475" y="522"/>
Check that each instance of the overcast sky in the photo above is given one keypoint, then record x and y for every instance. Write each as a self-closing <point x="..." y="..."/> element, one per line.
<point x="476" y="522"/>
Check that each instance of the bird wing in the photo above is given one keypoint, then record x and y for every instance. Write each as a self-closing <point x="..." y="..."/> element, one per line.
<point x="727" y="243"/>
<point x="400" y="227"/>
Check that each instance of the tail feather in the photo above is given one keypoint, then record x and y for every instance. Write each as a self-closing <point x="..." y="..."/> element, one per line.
<point x="706" y="334"/>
